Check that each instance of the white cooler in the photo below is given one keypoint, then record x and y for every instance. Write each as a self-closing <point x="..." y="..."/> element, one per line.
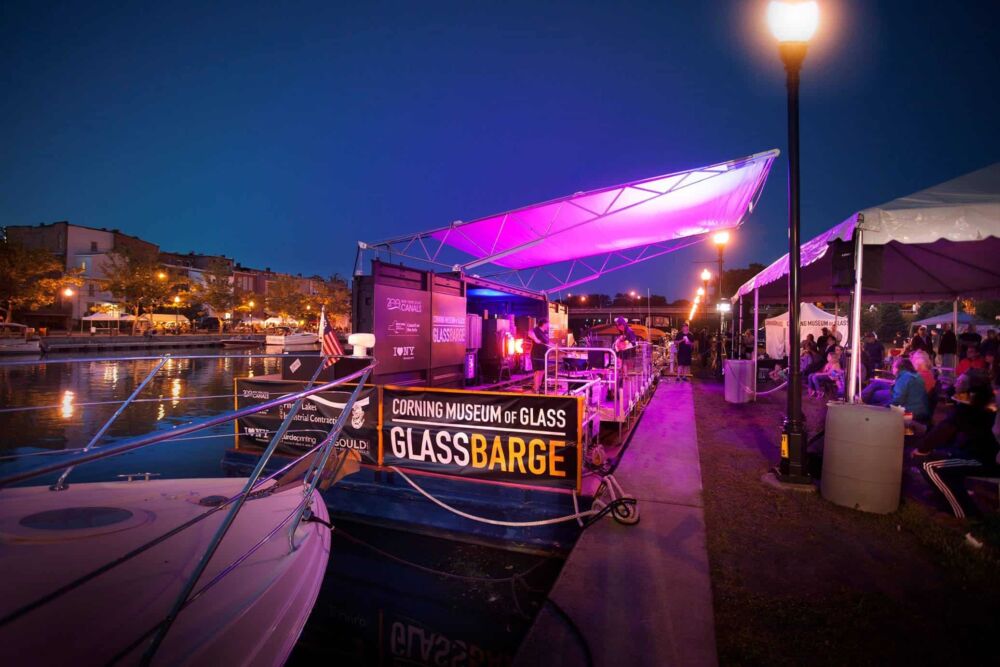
<point x="739" y="380"/>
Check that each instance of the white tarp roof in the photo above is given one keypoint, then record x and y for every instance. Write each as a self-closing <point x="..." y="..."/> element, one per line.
<point x="812" y="319"/>
<point x="940" y="243"/>
<point x="161" y="318"/>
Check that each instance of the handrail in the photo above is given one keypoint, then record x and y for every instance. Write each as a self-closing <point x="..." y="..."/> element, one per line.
<point x="320" y="454"/>
<point x="61" y="482"/>
<point x="230" y="517"/>
<point x="614" y="365"/>
<point x="152" y="439"/>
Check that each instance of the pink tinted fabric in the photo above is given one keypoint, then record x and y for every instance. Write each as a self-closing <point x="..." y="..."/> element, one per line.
<point x="641" y="213"/>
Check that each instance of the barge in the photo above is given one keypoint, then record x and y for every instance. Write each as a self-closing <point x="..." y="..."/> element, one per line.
<point x="453" y="435"/>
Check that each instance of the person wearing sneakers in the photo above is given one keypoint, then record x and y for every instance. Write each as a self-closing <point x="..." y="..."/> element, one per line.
<point x="963" y="444"/>
<point x="685" y="346"/>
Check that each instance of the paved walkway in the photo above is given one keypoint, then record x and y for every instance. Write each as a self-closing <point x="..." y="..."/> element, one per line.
<point x="640" y="595"/>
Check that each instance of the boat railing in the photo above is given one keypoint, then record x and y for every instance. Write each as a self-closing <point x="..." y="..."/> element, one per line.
<point x="627" y="377"/>
<point x="318" y="456"/>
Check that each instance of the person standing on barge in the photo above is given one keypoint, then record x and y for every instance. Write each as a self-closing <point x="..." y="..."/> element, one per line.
<point x="685" y="346"/>
<point x="539" y="346"/>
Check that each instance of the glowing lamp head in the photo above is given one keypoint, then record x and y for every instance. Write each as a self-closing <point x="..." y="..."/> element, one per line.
<point x="177" y="300"/>
<point x="251" y="304"/>
<point x="721" y="238"/>
<point x="701" y="291"/>
<point x="67" y="292"/>
<point x="706" y="274"/>
<point x="792" y="21"/>
<point x="161" y="275"/>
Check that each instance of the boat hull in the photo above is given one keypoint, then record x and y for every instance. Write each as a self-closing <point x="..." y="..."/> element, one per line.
<point x="108" y="617"/>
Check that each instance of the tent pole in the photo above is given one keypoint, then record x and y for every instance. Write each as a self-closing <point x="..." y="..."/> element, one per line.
<point x="753" y="354"/>
<point x="855" y="338"/>
<point x="737" y="331"/>
<point x="954" y="317"/>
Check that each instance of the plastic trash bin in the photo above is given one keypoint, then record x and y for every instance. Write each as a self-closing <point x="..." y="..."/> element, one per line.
<point x="739" y="380"/>
<point x="863" y="457"/>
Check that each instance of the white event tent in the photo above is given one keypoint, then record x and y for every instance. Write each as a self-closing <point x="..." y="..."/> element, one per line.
<point x="941" y="243"/>
<point x="812" y="320"/>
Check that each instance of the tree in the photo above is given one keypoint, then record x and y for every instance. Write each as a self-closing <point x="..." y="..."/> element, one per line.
<point x="285" y="298"/>
<point x="335" y="296"/>
<point x="134" y="278"/>
<point x="217" y="293"/>
<point x="988" y="309"/>
<point x="890" y="321"/>
<point x="30" y="278"/>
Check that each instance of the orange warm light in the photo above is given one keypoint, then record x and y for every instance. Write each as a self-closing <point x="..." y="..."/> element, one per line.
<point x="514" y="345"/>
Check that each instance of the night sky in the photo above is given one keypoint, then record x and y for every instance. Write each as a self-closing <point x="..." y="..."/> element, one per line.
<point x="281" y="133"/>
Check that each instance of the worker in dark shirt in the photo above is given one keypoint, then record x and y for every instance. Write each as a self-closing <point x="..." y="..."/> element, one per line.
<point x="969" y="337"/>
<point x="539" y="346"/>
<point x="948" y="347"/>
<point x="873" y="353"/>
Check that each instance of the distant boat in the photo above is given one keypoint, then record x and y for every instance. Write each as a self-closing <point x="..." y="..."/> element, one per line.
<point x="294" y="342"/>
<point x="14" y="339"/>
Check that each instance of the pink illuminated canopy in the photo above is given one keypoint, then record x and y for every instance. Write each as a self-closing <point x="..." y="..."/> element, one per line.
<point x="584" y="235"/>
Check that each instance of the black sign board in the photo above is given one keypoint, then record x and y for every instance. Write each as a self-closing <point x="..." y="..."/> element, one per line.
<point x="518" y="438"/>
<point x="447" y="330"/>
<point x="402" y="329"/>
<point x="313" y="421"/>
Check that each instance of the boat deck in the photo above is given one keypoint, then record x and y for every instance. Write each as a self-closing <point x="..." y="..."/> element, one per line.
<point x="641" y="594"/>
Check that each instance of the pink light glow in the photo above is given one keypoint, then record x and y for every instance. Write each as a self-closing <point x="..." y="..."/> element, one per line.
<point x="636" y="214"/>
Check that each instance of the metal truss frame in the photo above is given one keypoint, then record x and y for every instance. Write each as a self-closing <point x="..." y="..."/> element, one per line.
<point x="431" y="248"/>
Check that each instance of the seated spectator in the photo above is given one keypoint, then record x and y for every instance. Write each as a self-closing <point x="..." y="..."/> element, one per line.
<point x="992" y="366"/>
<point x="906" y="391"/>
<point x="971" y="361"/>
<point x="963" y="444"/>
<point x="925" y="369"/>
<point x="831" y="373"/>
<point x="991" y="344"/>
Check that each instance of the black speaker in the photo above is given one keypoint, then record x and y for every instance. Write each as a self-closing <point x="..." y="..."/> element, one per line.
<point x="842" y="261"/>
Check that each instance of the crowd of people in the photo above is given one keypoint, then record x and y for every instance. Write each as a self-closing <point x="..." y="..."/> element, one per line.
<point x="962" y="370"/>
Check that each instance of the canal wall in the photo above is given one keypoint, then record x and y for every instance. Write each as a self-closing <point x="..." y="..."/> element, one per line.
<point x="54" y="344"/>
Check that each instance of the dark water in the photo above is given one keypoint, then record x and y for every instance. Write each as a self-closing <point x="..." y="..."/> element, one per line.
<point x="389" y="597"/>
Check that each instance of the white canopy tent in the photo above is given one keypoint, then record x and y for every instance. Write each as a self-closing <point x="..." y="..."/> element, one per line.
<point x="941" y="243"/>
<point x="812" y="320"/>
<point x="165" y="319"/>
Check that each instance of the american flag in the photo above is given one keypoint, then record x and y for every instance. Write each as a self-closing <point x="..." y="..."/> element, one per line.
<point x="328" y="340"/>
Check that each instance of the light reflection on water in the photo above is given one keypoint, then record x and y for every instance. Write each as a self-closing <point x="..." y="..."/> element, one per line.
<point x="78" y="398"/>
<point x="66" y="410"/>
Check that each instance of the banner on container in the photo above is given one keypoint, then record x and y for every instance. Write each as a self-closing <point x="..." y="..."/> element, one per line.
<point x="500" y="437"/>
<point x="314" y="419"/>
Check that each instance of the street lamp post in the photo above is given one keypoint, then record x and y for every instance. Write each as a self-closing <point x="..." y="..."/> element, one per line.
<point x="793" y="24"/>
<point x="177" y="315"/>
<point x="720" y="240"/>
